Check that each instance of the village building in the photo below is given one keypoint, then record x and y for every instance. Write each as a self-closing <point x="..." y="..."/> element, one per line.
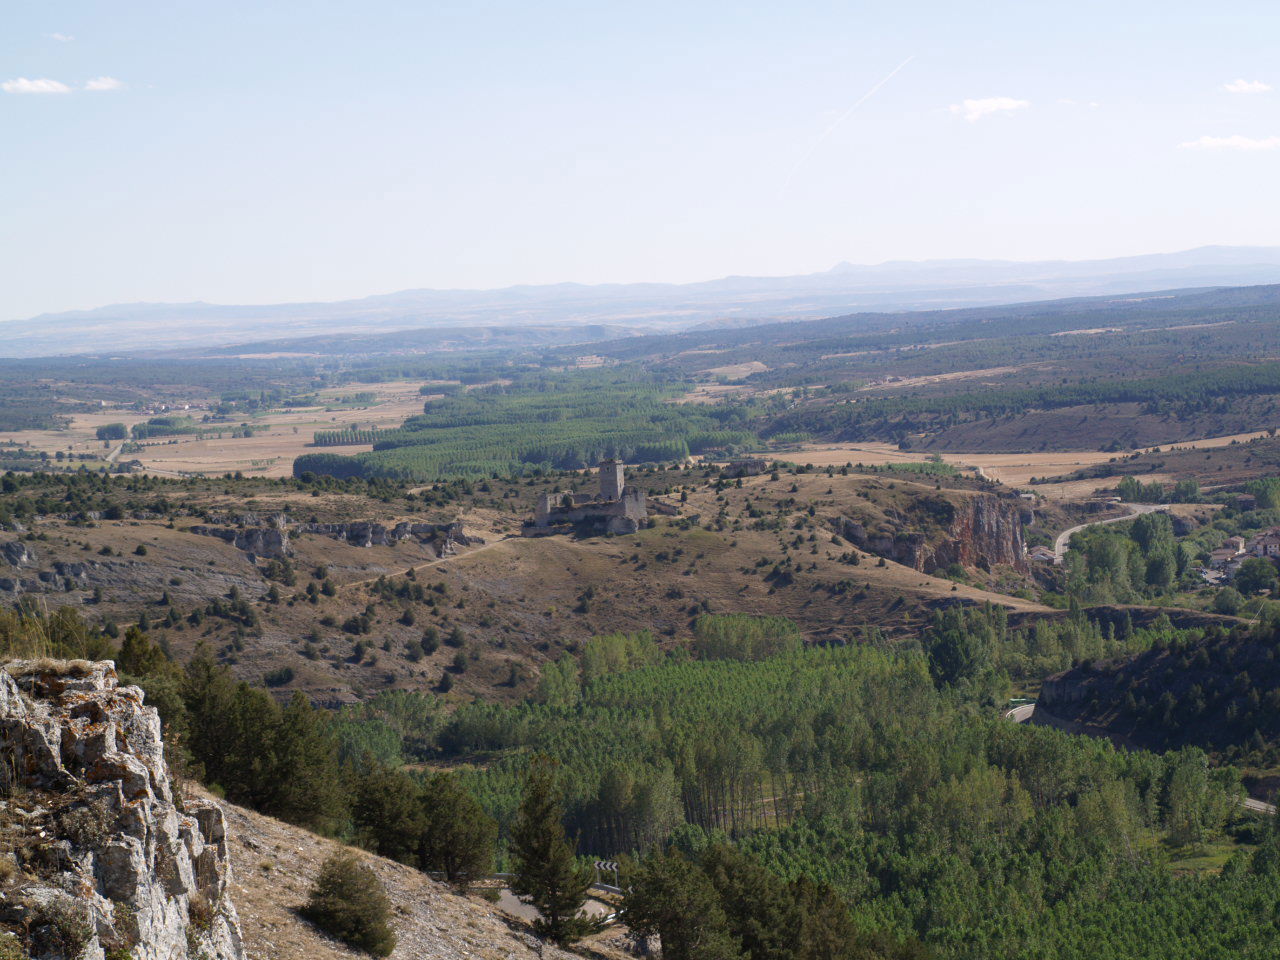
<point x="1221" y="557"/>
<point x="1266" y="544"/>
<point x="1233" y="547"/>
<point x="616" y="508"/>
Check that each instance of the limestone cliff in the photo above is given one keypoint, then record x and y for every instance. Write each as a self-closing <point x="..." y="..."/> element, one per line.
<point x="98" y="857"/>
<point x="980" y="530"/>
<point x="271" y="539"/>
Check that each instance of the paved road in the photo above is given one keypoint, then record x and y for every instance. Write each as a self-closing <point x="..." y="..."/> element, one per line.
<point x="1135" y="509"/>
<point x="1021" y="714"/>
<point x="508" y="902"/>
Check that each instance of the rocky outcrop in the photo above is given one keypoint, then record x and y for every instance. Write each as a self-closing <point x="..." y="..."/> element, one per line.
<point x="270" y="539"/>
<point x="100" y="857"/>
<point x="267" y="538"/>
<point x="122" y="578"/>
<point x="269" y="542"/>
<point x="986" y="532"/>
<point x="17" y="554"/>
<point x="978" y="531"/>
<point x="446" y="537"/>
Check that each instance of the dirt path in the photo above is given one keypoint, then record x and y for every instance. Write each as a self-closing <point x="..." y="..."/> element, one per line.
<point x="435" y="563"/>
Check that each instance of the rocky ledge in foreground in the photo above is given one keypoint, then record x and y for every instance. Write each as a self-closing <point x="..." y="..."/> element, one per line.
<point x="98" y="858"/>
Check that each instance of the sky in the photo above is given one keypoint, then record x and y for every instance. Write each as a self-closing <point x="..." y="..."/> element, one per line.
<point x="263" y="152"/>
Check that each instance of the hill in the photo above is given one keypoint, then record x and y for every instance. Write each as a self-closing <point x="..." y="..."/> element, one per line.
<point x="1215" y="689"/>
<point x="301" y="584"/>
<point x="888" y="286"/>
<point x="273" y="867"/>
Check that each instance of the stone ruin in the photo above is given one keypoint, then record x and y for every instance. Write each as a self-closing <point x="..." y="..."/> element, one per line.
<point x="617" y="508"/>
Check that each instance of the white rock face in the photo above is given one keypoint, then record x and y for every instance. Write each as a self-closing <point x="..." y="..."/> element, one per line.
<point x="105" y="858"/>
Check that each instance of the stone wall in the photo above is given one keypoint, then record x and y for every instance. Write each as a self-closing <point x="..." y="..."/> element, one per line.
<point x="614" y="516"/>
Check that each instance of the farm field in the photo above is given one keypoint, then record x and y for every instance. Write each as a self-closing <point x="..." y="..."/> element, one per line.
<point x="1010" y="469"/>
<point x="278" y="437"/>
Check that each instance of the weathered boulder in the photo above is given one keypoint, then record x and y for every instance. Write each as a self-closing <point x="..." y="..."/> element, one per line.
<point x="108" y="857"/>
<point x="17" y="554"/>
<point x="271" y="542"/>
<point x="446" y="537"/>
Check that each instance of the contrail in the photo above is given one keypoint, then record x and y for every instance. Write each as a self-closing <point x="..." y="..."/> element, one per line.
<point x="839" y="120"/>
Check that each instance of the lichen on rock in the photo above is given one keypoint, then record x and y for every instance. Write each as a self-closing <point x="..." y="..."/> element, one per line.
<point x="98" y="857"/>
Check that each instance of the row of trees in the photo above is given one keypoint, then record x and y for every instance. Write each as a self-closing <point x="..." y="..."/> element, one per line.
<point x="881" y="417"/>
<point x="861" y="769"/>
<point x="563" y="424"/>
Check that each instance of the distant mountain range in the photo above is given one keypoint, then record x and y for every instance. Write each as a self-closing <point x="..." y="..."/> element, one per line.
<point x="567" y="312"/>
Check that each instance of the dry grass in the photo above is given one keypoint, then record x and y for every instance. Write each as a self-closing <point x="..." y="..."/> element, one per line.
<point x="274" y="865"/>
<point x="278" y="437"/>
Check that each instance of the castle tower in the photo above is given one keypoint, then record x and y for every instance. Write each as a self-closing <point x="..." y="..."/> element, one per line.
<point x="544" y="507"/>
<point x="611" y="479"/>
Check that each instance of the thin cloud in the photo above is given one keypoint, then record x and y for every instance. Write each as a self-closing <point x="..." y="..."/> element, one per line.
<point x="100" y="84"/>
<point x="43" y="85"/>
<point x="61" y="37"/>
<point x="1235" y="142"/>
<point x="1241" y="85"/>
<point x="841" y="119"/>
<point x="973" y="110"/>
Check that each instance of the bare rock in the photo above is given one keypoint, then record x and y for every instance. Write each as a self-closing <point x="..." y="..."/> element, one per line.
<point x="982" y="530"/>
<point x="112" y="862"/>
<point x="17" y="554"/>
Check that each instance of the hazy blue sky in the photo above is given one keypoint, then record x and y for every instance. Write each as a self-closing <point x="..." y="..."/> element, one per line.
<point x="252" y="152"/>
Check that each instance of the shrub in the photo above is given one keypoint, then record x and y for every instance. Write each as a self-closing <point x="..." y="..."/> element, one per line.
<point x="1228" y="601"/>
<point x="11" y="947"/>
<point x="61" y="926"/>
<point x="349" y="903"/>
<point x="278" y="677"/>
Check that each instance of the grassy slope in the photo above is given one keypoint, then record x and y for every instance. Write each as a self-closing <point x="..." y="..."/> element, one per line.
<point x="274" y="865"/>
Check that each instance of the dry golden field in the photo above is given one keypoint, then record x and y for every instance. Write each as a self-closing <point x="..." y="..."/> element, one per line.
<point x="1011" y="469"/>
<point x="277" y="438"/>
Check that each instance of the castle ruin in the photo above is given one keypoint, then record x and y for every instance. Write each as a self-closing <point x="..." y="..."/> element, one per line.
<point x="616" y="508"/>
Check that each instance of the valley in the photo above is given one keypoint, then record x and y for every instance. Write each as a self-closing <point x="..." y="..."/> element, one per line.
<point x="761" y="597"/>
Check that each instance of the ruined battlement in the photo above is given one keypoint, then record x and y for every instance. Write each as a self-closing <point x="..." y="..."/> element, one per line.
<point x="617" y="507"/>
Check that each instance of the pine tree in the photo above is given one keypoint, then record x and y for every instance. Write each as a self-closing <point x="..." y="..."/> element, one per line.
<point x="349" y="902"/>
<point x="672" y="898"/>
<point x="308" y="784"/>
<point x="387" y="812"/>
<point x="138" y="656"/>
<point x="548" y="875"/>
<point x="457" y="836"/>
